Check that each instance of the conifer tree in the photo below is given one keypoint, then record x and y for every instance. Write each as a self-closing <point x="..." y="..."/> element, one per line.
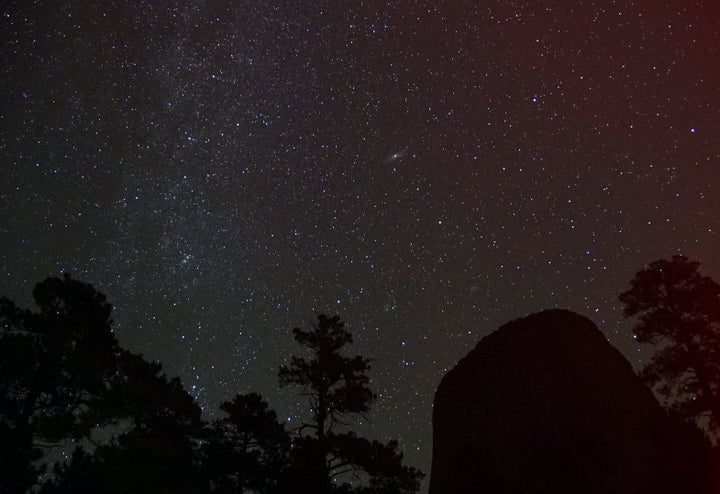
<point x="337" y="386"/>
<point x="678" y="310"/>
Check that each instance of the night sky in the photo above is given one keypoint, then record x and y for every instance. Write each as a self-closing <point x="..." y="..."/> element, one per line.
<point x="427" y="170"/>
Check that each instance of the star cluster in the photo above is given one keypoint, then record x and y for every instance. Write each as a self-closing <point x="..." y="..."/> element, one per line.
<point x="428" y="170"/>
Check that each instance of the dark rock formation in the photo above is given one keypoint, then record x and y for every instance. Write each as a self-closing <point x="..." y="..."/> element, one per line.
<point x="546" y="405"/>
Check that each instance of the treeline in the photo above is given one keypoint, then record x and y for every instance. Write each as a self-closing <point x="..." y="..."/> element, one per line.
<point x="67" y="385"/>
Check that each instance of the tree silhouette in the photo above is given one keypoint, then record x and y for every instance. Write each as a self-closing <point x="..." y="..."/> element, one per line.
<point x="337" y="387"/>
<point x="65" y="382"/>
<point x="55" y="365"/>
<point x="158" y="429"/>
<point x="247" y="449"/>
<point x="678" y="309"/>
<point x="64" y="379"/>
<point x="159" y="459"/>
<point x="155" y="429"/>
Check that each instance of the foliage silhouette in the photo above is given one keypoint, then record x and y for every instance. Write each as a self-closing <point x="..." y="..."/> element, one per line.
<point x="64" y="378"/>
<point x="678" y="309"/>
<point x="160" y="459"/>
<point x="66" y="383"/>
<point x="247" y="449"/>
<point x="155" y="446"/>
<point x="337" y="386"/>
<point x="55" y="366"/>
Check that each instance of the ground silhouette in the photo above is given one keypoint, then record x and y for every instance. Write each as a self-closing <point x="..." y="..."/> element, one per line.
<point x="546" y="405"/>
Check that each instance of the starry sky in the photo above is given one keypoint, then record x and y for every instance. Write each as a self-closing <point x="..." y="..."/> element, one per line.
<point x="428" y="170"/>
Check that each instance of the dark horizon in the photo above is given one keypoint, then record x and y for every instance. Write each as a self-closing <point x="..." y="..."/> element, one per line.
<point x="539" y="397"/>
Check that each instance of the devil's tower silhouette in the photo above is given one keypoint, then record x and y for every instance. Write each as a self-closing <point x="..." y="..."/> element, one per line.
<point x="546" y="405"/>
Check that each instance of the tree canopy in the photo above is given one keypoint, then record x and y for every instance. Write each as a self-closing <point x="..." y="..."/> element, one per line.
<point x="125" y="427"/>
<point x="336" y="386"/>
<point x="56" y="365"/>
<point x="64" y="380"/>
<point x="678" y="309"/>
<point x="247" y="448"/>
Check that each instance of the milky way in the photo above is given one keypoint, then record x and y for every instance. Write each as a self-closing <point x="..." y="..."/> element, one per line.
<point x="225" y="170"/>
